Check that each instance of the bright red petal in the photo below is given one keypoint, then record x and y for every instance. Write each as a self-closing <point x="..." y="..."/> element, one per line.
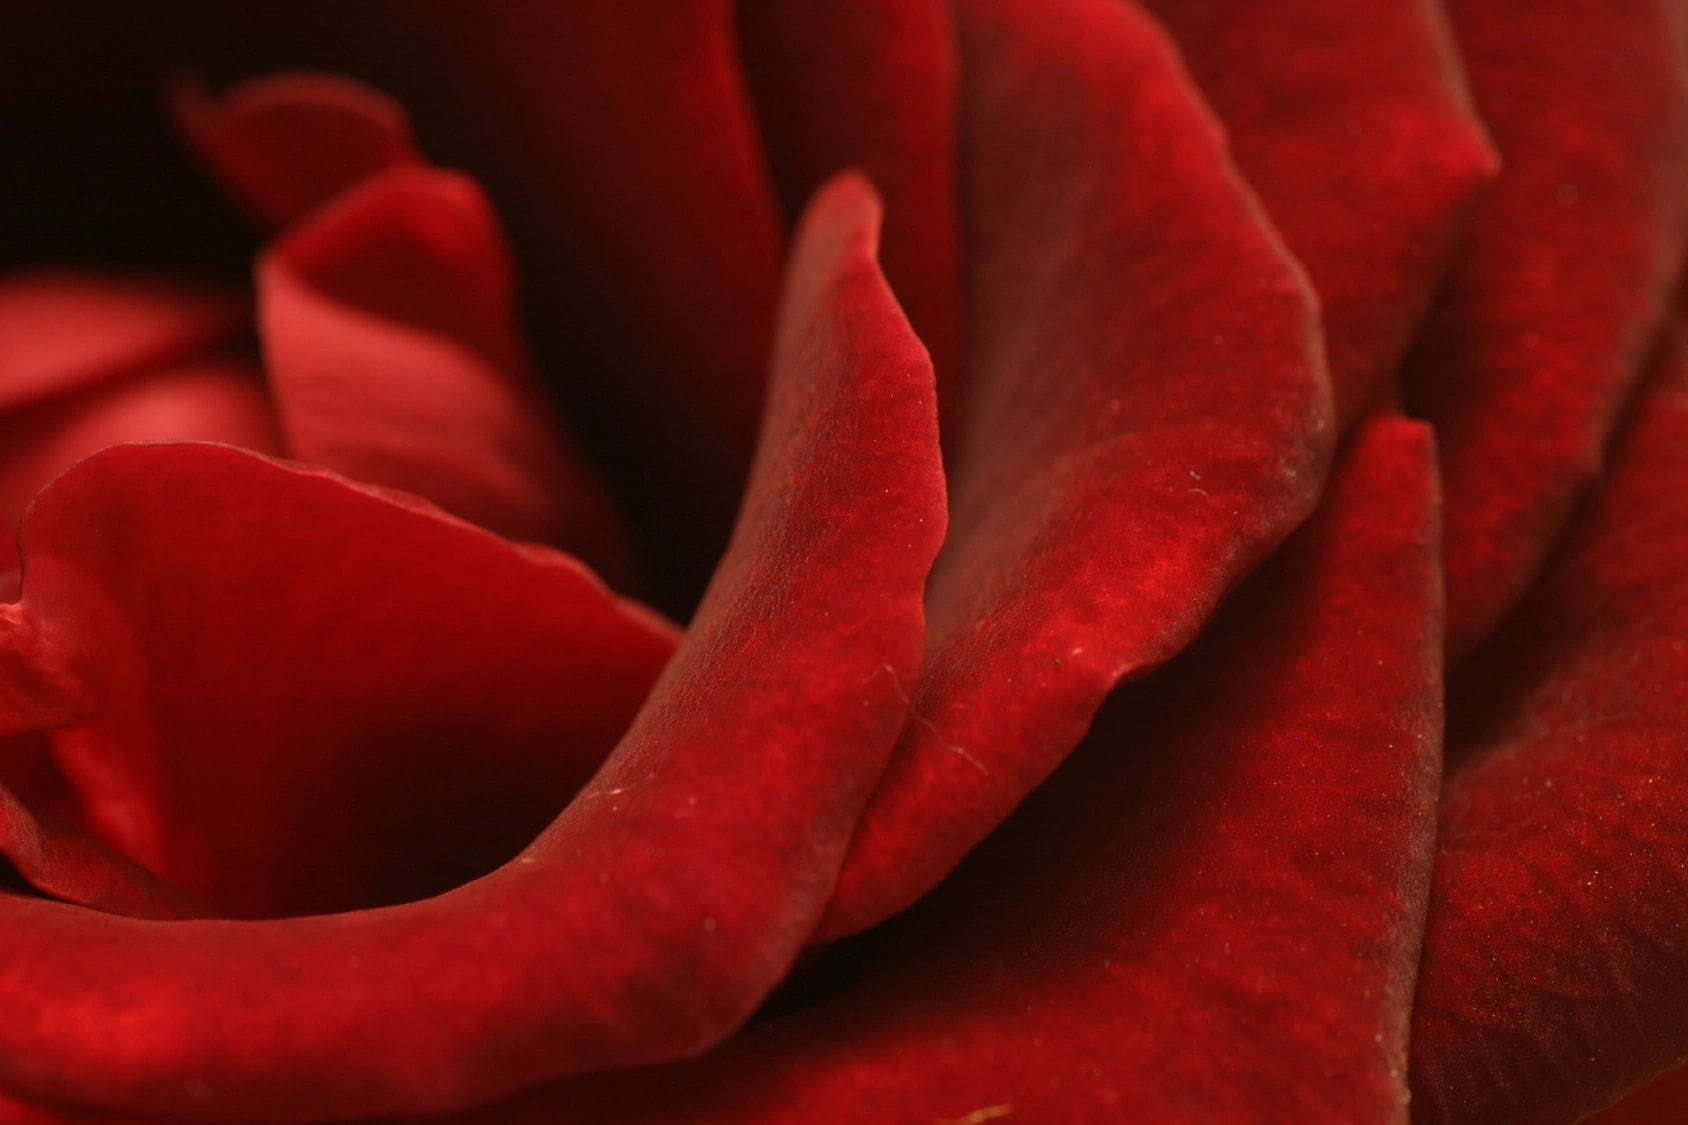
<point x="285" y="144"/>
<point x="1352" y="122"/>
<point x="650" y="918"/>
<point x="1212" y="913"/>
<point x="1544" y="326"/>
<point x="61" y="331"/>
<point x="266" y="682"/>
<point x="871" y="84"/>
<point x="389" y="333"/>
<point x="1148" y="415"/>
<point x="1554" y="974"/>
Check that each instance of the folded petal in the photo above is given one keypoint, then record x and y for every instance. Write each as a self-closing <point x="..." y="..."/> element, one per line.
<point x="1211" y="913"/>
<point x="1353" y="123"/>
<point x="871" y="85"/>
<point x="1544" y="325"/>
<point x="284" y="144"/>
<point x="1554" y="974"/>
<point x="654" y="913"/>
<point x="1148" y="414"/>
<point x="389" y="334"/>
<point x="64" y="330"/>
<point x="264" y="683"/>
<point x="215" y="397"/>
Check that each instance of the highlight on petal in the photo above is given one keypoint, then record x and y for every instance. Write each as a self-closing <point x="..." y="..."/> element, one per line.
<point x="871" y="84"/>
<point x="63" y="330"/>
<point x="1353" y="123"/>
<point x="1543" y="328"/>
<point x="1211" y="913"/>
<point x="1148" y="415"/>
<point x="214" y="397"/>
<point x="284" y="144"/>
<point x="654" y="913"/>
<point x="1555" y="970"/>
<point x="388" y="326"/>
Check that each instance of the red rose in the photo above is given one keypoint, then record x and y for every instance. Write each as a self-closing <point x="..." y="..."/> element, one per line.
<point x="1330" y="357"/>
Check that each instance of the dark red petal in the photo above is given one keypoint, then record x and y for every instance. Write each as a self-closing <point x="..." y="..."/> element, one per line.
<point x="68" y="865"/>
<point x="61" y="330"/>
<point x="1554" y="974"/>
<point x="210" y="398"/>
<point x="389" y="332"/>
<point x="651" y="917"/>
<point x="619" y="141"/>
<point x="1353" y="123"/>
<point x="285" y="144"/>
<point x="1148" y="415"/>
<point x="871" y="84"/>
<point x="1212" y="913"/>
<point x="266" y="682"/>
<point x="1543" y="328"/>
<point x="1659" y="1102"/>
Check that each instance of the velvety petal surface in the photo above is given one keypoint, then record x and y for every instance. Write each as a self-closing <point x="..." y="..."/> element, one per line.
<point x="1544" y="325"/>
<point x="1353" y="123"/>
<point x="62" y="330"/>
<point x="1211" y="913"/>
<point x="1148" y="414"/>
<point x="871" y="85"/>
<point x="390" y="339"/>
<point x="286" y="143"/>
<point x="1554" y="970"/>
<point x="654" y="913"/>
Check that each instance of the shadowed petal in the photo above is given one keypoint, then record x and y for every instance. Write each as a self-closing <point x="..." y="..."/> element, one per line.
<point x="284" y="144"/>
<point x="1543" y="327"/>
<point x="1554" y="973"/>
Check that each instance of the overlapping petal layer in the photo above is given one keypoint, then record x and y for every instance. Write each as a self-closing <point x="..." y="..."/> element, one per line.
<point x="653" y="914"/>
<point x="389" y="335"/>
<point x="1353" y="123"/>
<point x="1554" y="964"/>
<point x="1148" y="414"/>
<point x="1543" y="328"/>
<point x="1212" y="913"/>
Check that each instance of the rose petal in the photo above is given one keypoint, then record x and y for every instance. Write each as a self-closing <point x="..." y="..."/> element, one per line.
<point x="1353" y="123"/>
<point x="59" y="861"/>
<point x="1544" y="325"/>
<point x="651" y="917"/>
<point x="267" y="678"/>
<point x="1148" y="416"/>
<point x="871" y="84"/>
<point x="1554" y="974"/>
<point x="389" y="334"/>
<point x="208" y="398"/>
<point x="1211" y="913"/>
<point x="284" y="144"/>
<point x="62" y="330"/>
